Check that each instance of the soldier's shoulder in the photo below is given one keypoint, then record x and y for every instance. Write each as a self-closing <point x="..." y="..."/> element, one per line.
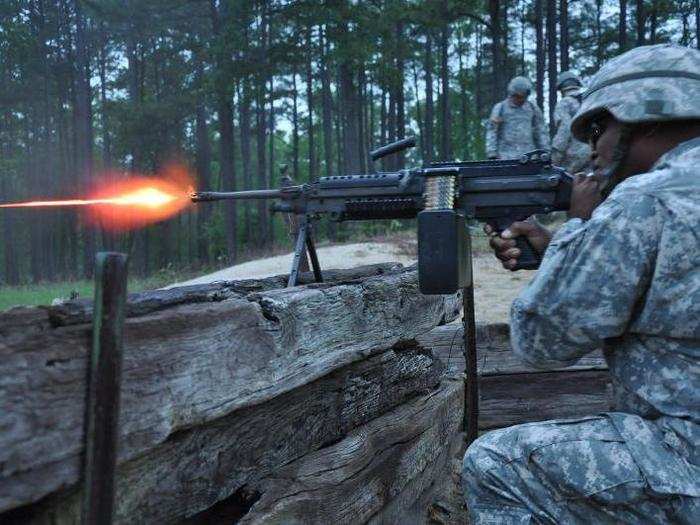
<point x="569" y="102"/>
<point x="497" y="108"/>
<point x="673" y="176"/>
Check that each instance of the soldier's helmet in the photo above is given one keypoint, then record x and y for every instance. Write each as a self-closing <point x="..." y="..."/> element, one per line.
<point x="567" y="79"/>
<point x="646" y="84"/>
<point x="519" y="86"/>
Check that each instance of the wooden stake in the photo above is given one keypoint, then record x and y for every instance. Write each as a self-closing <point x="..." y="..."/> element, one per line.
<point x="104" y="388"/>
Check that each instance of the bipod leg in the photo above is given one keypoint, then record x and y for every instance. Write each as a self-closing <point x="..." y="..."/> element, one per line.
<point x="471" y="377"/>
<point x="299" y="251"/>
<point x="313" y="255"/>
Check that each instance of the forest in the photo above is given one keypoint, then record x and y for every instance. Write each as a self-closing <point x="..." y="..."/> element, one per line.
<point x="237" y="89"/>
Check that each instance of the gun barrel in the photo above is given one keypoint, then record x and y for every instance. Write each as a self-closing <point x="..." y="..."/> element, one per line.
<point x="394" y="147"/>
<point x="205" y="196"/>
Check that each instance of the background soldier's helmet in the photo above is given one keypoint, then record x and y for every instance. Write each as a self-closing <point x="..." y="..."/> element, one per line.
<point x="519" y="86"/>
<point x="567" y="79"/>
<point x="647" y="84"/>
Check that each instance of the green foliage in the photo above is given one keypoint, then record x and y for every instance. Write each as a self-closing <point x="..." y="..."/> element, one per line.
<point x="161" y="61"/>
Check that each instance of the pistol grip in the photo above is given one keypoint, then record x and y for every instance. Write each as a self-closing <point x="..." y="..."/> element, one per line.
<point x="529" y="259"/>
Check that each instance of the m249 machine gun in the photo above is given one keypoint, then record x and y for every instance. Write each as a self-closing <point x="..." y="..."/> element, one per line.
<point x="442" y="196"/>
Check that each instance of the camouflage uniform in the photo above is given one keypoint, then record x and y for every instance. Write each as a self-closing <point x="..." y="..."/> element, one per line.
<point x="627" y="280"/>
<point x="513" y="130"/>
<point x="567" y="151"/>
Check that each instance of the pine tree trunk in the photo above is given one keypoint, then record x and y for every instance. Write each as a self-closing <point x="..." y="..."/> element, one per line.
<point x="202" y="163"/>
<point x="327" y="108"/>
<point x="367" y="117"/>
<point x="697" y="24"/>
<point x="552" y="59"/>
<point x="384" y="126"/>
<point x="400" y="97"/>
<point x="564" y="34"/>
<point x="523" y="29"/>
<point x="327" y="116"/>
<point x="464" y="122"/>
<point x="295" y="126"/>
<point x="360" y="116"/>
<point x="244" y="104"/>
<point x="599" y="33"/>
<point x="348" y="104"/>
<point x="480" y="109"/>
<point x="226" y="139"/>
<point x="371" y="134"/>
<point x="310" y="103"/>
<point x="429" y="102"/>
<point x="391" y="124"/>
<point x="640" y="17"/>
<point x="446" y="116"/>
<point x="497" y="49"/>
<point x="83" y="123"/>
<point x="11" y="276"/>
<point x="271" y="156"/>
<point x="540" y="52"/>
<point x="505" y="35"/>
<point x="622" y="28"/>
<point x="260" y="127"/>
<point x="419" y="110"/>
<point x="7" y="220"/>
<point x="339" y="140"/>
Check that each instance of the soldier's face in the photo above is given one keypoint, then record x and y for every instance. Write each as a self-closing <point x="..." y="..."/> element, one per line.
<point x="603" y="137"/>
<point x="518" y="99"/>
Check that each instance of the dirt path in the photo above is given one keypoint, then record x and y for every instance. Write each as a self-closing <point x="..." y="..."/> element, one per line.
<point x="494" y="287"/>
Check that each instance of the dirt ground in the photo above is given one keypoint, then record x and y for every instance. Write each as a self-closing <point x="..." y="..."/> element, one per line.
<point x="494" y="287"/>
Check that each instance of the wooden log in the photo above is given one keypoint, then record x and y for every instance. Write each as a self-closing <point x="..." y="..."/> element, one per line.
<point x="188" y="364"/>
<point x="199" y="466"/>
<point x="142" y="303"/>
<point x="512" y="392"/>
<point x="354" y="479"/>
<point x="521" y="398"/>
<point x="495" y="356"/>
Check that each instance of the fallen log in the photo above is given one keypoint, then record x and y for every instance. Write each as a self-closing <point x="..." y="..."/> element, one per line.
<point x="389" y="459"/>
<point x="141" y="303"/>
<point x="188" y="364"/>
<point x="197" y="467"/>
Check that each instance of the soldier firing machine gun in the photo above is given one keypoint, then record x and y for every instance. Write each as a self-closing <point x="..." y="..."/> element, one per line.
<point x="442" y="196"/>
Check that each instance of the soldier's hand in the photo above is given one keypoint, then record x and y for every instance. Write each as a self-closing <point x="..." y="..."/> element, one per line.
<point x="585" y="196"/>
<point x="504" y="245"/>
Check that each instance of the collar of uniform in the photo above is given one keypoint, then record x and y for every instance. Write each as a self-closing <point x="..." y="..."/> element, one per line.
<point x="677" y="152"/>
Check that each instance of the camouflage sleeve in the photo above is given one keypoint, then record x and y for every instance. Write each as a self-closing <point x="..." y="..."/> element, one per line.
<point x="492" y="132"/>
<point x="591" y="276"/>
<point x="562" y="137"/>
<point x="539" y="131"/>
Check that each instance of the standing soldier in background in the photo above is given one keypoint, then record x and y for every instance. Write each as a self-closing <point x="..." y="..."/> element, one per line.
<point x="516" y="125"/>
<point x="567" y="152"/>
